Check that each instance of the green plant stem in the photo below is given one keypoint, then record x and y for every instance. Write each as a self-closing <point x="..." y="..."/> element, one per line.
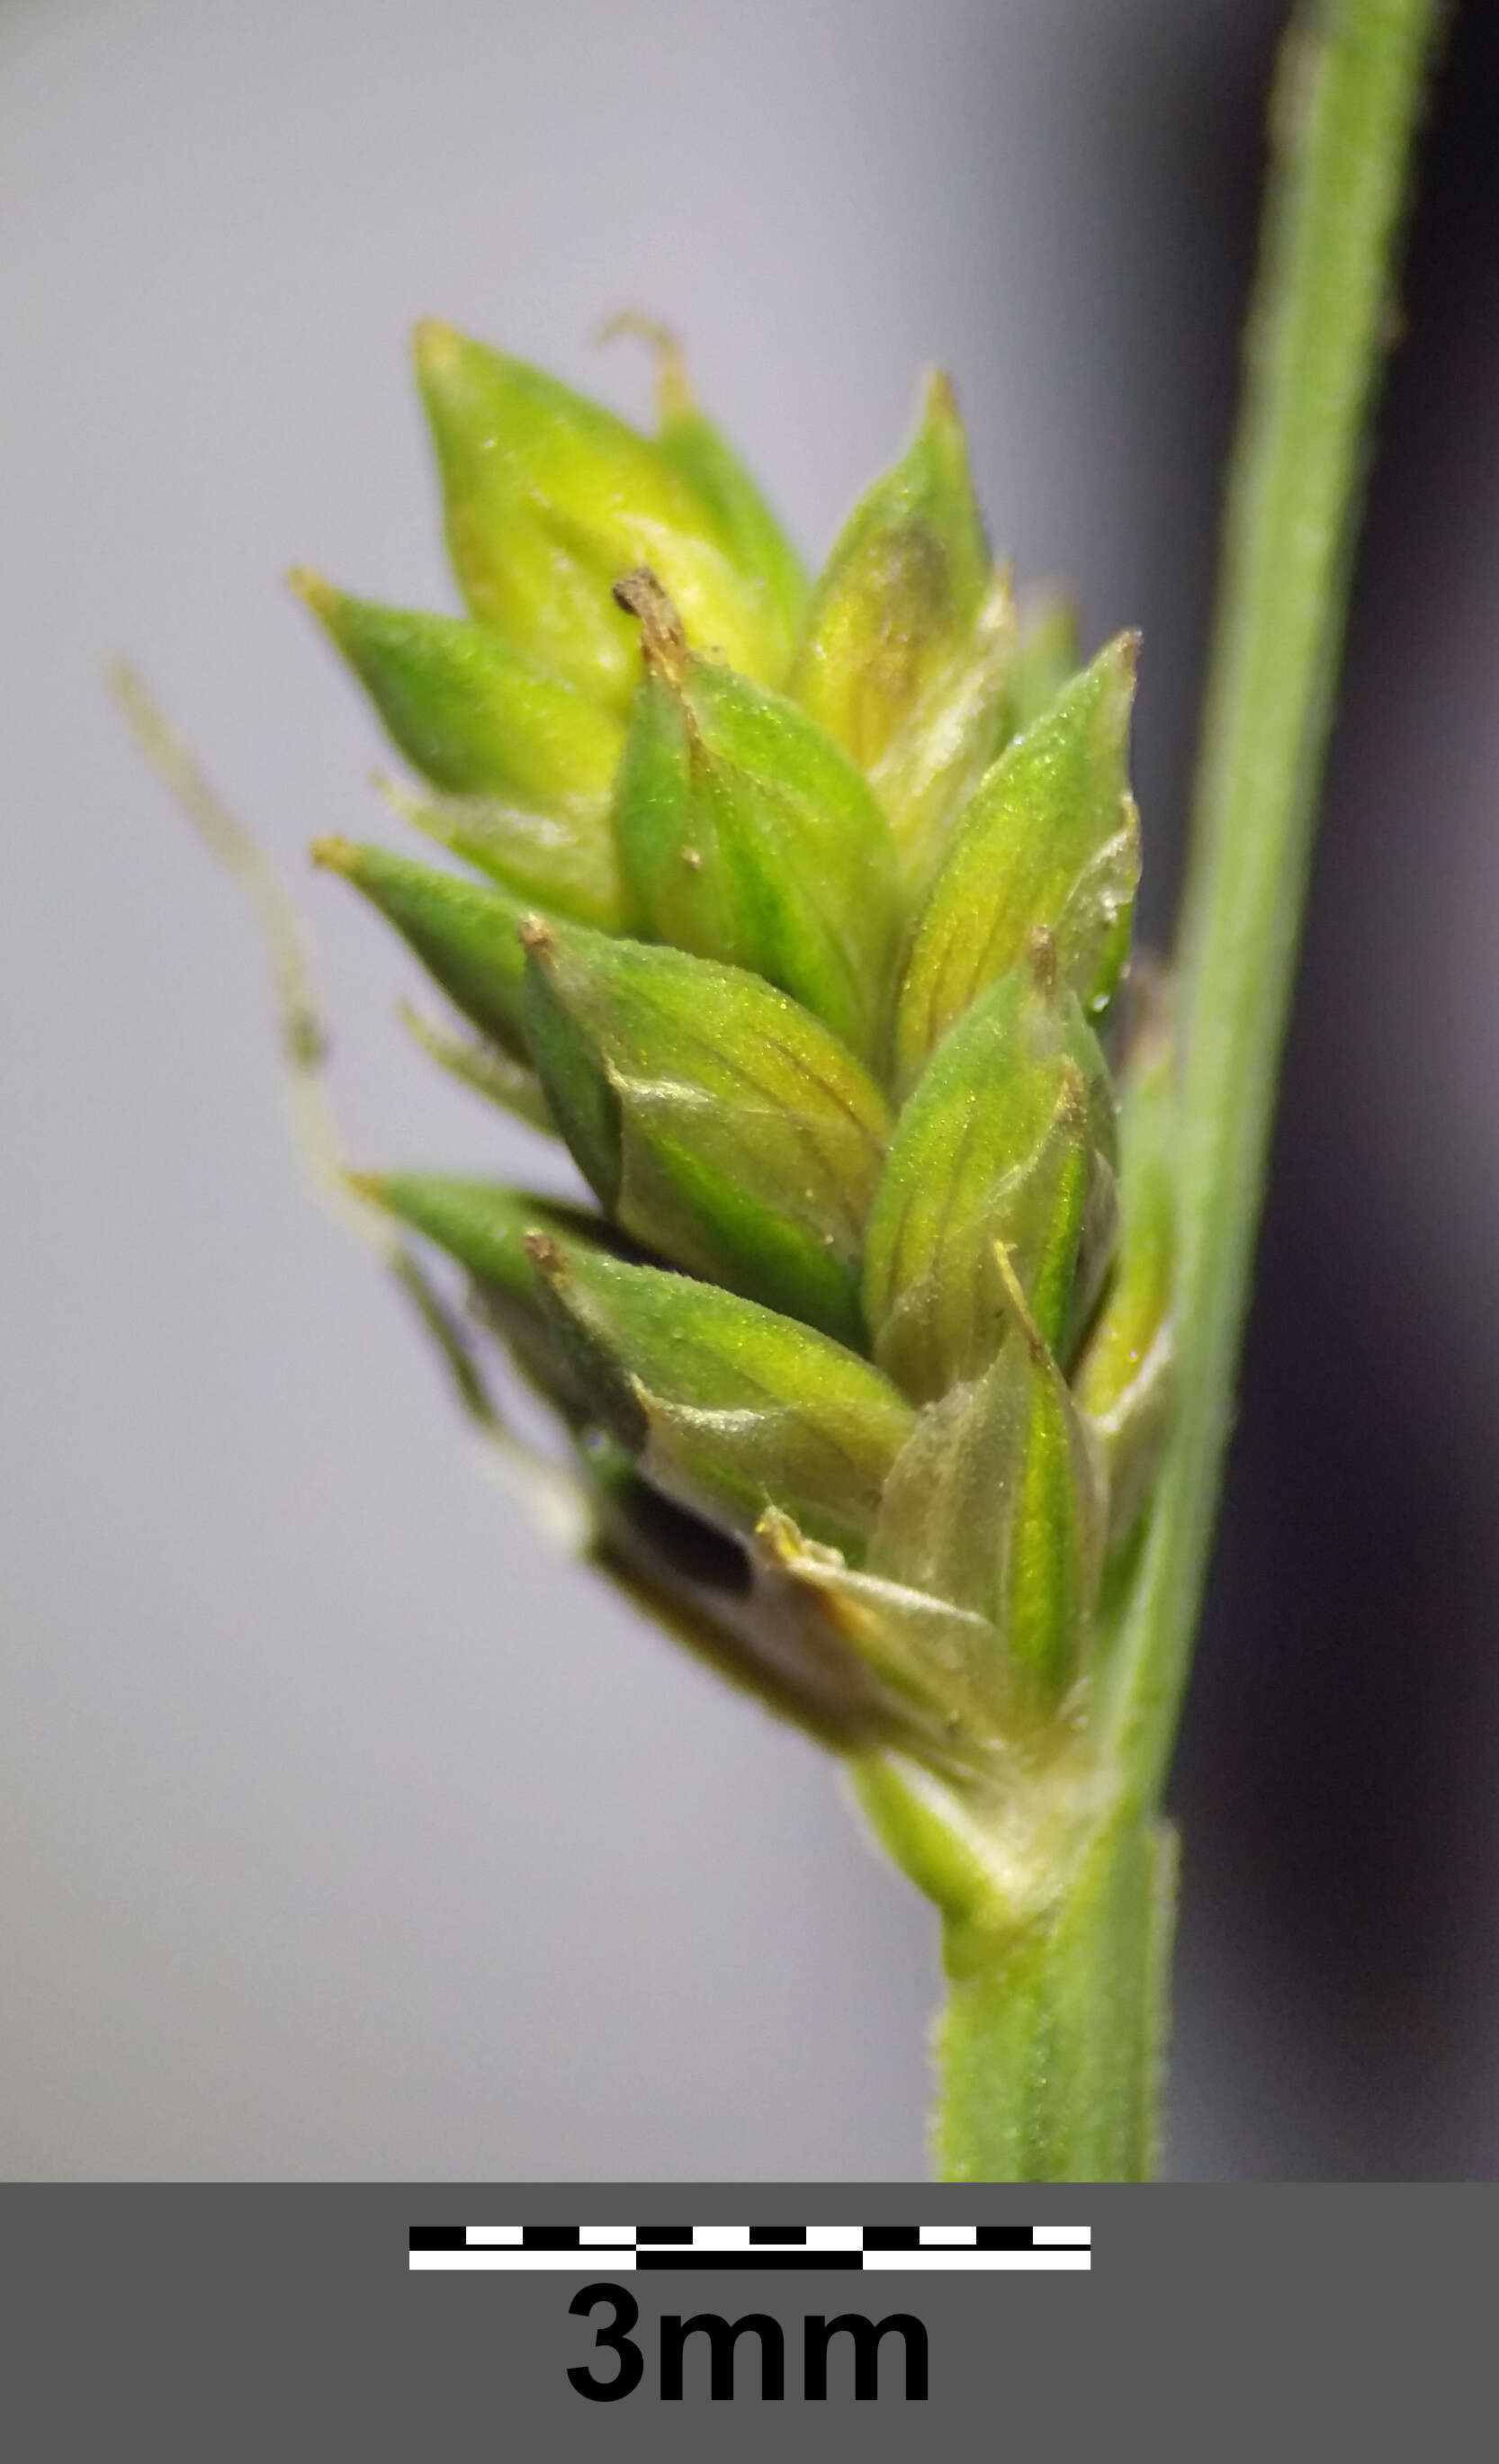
<point x="1053" y="2040"/>
<point x="1348" y="97"/>
<point x="1029" y="2090"/>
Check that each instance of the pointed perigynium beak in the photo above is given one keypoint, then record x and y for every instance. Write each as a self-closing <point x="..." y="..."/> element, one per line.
<point x="1050" y="838"/>
<point x="726" y="1404"/>
<point x="465" y="933"/>
<point x="716" y="1121"/>
<point x="549" y="500"/>
<point x="747" y="835"/>
<point x="468" y="711"/>
<point x="901" y="591"/>
<point x="998" y="1152"/>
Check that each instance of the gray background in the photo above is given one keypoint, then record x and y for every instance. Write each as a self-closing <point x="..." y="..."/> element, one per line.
<point x="343" y="1832"/>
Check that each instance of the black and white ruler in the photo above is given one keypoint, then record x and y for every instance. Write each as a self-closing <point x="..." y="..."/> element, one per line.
<point x="614" y="2249"/>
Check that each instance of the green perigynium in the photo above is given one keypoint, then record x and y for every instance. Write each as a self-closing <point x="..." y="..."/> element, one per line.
<point x="800" y="913"/>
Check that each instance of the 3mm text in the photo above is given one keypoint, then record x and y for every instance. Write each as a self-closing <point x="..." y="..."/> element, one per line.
<point x="627" y="2366"/>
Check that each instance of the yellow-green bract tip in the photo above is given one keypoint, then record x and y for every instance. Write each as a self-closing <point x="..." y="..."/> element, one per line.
<point x="313" y="592"/>
<point x="437" y="345"/>
<point x="939" y="401"/>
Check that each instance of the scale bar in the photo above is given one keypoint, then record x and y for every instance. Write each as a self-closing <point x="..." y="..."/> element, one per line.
<point x="751" y="2248"/>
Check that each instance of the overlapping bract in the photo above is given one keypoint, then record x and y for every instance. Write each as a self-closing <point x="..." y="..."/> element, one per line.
<point x="798" y="913"/>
